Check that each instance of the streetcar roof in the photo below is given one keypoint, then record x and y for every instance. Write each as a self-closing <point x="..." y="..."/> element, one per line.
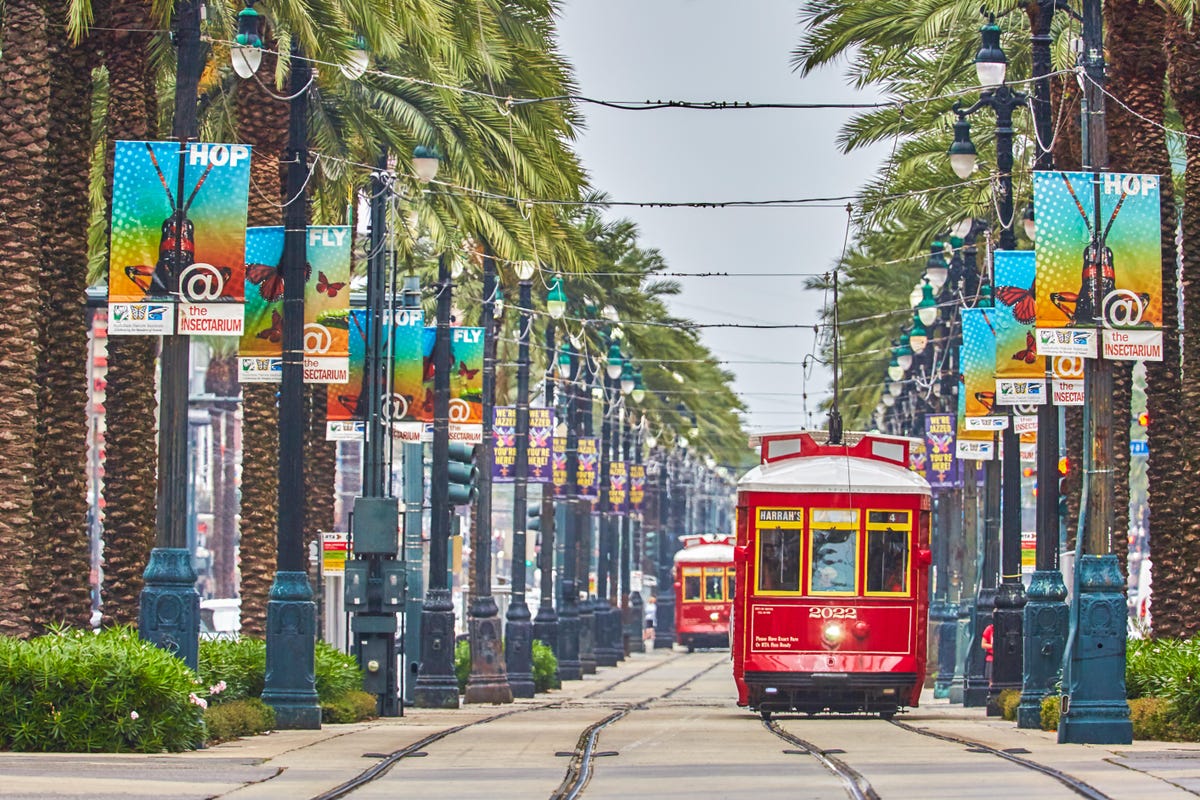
<point x="705" y="553"/>
<point x="829" y="473"/>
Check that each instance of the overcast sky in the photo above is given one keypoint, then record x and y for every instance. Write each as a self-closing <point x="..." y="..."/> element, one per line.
<point x="720" y="50"/>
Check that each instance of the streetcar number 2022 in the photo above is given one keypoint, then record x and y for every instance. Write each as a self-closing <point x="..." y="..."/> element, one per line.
<point x="832" y="612"/>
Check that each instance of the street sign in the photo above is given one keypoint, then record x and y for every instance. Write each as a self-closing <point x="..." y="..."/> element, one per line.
<point x="1139" y="447"/>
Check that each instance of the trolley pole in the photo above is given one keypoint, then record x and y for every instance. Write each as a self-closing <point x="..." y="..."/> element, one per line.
<point x="1094" y="708"/>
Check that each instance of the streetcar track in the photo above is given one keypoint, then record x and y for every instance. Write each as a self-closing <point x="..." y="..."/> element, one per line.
<point x="856" y="785"/>
<point x="385" y="764"/>
<point x="579" y="771"/>
<point x="1074" y="784"/>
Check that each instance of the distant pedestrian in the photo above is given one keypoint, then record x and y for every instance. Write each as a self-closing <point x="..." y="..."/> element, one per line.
<point x="986" y="642"/>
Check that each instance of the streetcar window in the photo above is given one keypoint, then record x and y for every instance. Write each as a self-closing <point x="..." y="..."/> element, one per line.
<point x="691" y="586"/>
<point x="712" y="584"/>
<point x="888" y="535"/>
<point x="834" y="565"/>
<point x="729" y="583"/>
<point x="778" y="560"/>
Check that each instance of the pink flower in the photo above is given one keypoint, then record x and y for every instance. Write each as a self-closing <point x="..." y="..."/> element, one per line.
<point x="196" y="700"/>
<point x="217" y="688"/>
<point x="133" y="715"/>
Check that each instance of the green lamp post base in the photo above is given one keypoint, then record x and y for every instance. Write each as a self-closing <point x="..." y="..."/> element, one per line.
<point x="1046" y="622"/>
<point x="290" y="684"/>
<point x="169" y="608"/>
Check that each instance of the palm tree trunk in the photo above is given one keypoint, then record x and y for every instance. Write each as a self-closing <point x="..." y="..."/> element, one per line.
<point x="262" y="122"/>
<point x="1176" y="549"/>
<point x="60" y="481"/>
<point x="131" y="443"/>
<point x="24" y="126"/>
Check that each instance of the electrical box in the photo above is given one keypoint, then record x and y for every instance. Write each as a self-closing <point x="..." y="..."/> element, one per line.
<point x="395" y="575"/>
<point x="373" y="658"/>
<point x="356" y="585"/>
<point x="376" y="526"/>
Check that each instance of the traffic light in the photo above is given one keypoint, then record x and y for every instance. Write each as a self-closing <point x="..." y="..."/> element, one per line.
<point x="1144" y="419"/>
<point x="535" y="519"/>
<point x="463" y="473"/>
<point x="1064" y="468"/>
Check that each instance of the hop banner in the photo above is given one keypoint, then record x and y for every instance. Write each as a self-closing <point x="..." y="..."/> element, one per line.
<point x="1130" y="263"/>
<point x="346" y="407"/>
<point x="1020" y="371"/>
<point x="941" y="467"/>
<point x="152" y="183"/>
<point x="504" y="444"/>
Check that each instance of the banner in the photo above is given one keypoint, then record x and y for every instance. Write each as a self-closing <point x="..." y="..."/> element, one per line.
<point x="637" y="487"/>
<point x="941" y="467"/>
<point x="1020" y="371"/>
<point x="618" y="488"/>
<point x="326" y="306"/>
<point x="978" y="367"/>
<point x="1130" y="262"/>
<point x="969" y="443"/>
<point x="539" y="451"/>
<point x="466" y="379"/>
<point x="345" y="404"/>
<point x="587" y="475"/>
<point x="152" y="183"/>
<point x="917" y="457"/>
<point x="541" y="445"/>
<point x="559" y="469"/>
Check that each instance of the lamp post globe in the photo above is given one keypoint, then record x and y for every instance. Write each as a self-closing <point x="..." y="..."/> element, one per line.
<point x="556" y="299"/>
<point x="425" y="162"/>
<point x="904" y="353"/>
<point x="628" y="380"/>
<point x="962" y="150"/>
<point x="525" y="270"/>
<point x="639" y="388"/>
<point x="1029" y="224"/>
<point x="936" y="268"/>
<point x="991" y="63"/>
<point x="564" y="361"/>
<point x="918" y="337"/>
<point x="246" y="54"/>
<point x="927" y="309"/>
<point x="894" y="371"/>
<point x="616" y="362"/>
<point x="358" y="60"/>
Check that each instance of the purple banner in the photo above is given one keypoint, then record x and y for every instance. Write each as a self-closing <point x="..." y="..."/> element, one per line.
<point x="587" y="476"/>
<point x="559" y="458"/>
<point x="504" y="444"/>
<point x="637" y="487"/>
<point x="941" y="464"/>
<point x="618" y="488"/>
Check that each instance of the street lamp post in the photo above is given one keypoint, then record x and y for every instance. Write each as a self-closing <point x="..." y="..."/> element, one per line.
<point x="488" y="681"/>
<point x="1009" y="602"/>
<point x="569" y="667"/>
<point x="545" y="625"/>
<point x="291" y="614"/>
<point x="606" y="655"/>
<point x="1046" y="613"/>
<point x="518" y="633"/>
<point x="1094" y="708"/>
<point x="436" y="686"/>
<point x="583" y="534"/>
<point x="169" y="607"/>
<point x="664" y="590"/>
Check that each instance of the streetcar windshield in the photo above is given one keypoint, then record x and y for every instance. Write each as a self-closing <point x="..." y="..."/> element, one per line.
<point x="834" y="564"/>
<point x="713" y="580"/>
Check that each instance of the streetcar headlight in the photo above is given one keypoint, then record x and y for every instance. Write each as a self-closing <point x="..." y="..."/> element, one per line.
<point x="833" y="633"/>
<point x="714" y="616"/>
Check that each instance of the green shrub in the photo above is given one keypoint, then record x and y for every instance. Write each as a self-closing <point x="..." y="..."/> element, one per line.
<point x="545" y="668"/>
<point x="242" y="664"/>
<point x="1008" y="701"/>
<point x="71" y="691"/>
<point x="337" y="673"/>
<point x="1050" y="707"/>
<point x="462" y="664"/>
<point x="234" y="718"/>
<point x="353" y="706"/>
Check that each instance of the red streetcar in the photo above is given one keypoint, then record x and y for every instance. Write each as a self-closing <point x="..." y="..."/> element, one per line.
<point x="832" y="587"/>
<point x="704" y="584"/>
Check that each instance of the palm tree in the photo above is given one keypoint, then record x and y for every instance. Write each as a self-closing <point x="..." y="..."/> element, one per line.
<point x="131" y="464"/>
<point x="25" y="123"/>
<point x="60" y="497"/>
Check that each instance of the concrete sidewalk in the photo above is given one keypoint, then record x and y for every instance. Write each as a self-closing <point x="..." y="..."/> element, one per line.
<point x="283" y="765"/>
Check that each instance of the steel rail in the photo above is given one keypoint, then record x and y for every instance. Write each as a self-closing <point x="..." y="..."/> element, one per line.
<point x="857" y="786"/>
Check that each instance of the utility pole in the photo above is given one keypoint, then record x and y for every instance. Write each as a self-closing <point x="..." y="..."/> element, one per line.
<point x="545" y="625"/>
<point x="414" y="549"/>
<point x="1094" y="708"/>
<point x="518" y="632"/>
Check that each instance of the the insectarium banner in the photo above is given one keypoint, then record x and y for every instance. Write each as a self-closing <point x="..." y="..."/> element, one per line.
<point x="1020" y="371"/>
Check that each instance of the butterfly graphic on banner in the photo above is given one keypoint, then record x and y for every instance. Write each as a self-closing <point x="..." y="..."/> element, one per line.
<point x="587" y="462"/>
<point x="463" y="372"/>
<point x="539" y="437"/>
<point x="988" y="399"/>
<point x="1022" y="301"/>
<point x="1029" y="354"/>
<point x="274" y="333"/>
<point x="269" y="280"/>
<point x="325" y="287"/>
<point x="505" y="436"/>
